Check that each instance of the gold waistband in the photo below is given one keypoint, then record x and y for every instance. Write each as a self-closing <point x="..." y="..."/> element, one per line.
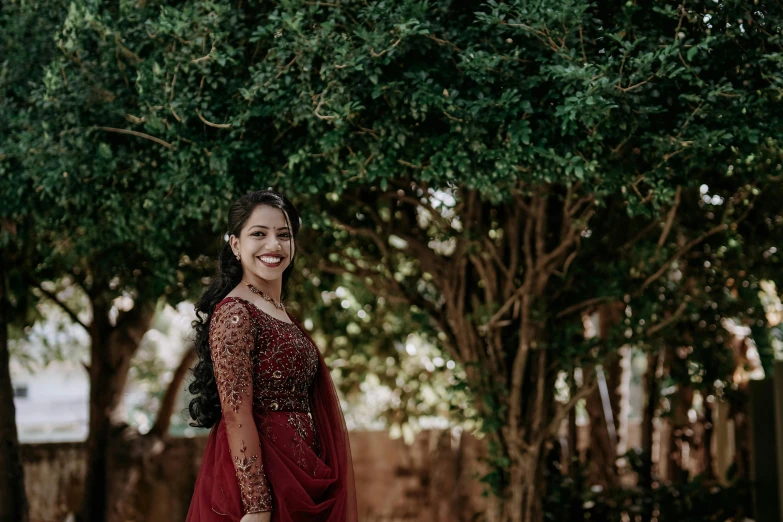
<point x="286" y="403"/>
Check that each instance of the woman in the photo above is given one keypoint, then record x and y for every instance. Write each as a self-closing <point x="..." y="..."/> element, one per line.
<point x="278" y="450"/>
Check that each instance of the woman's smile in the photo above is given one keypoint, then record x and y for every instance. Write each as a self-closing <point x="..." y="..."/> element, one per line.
<point x="271" y="260"/>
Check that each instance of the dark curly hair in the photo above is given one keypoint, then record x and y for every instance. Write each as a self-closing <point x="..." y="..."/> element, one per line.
<point x="205" y="408"/>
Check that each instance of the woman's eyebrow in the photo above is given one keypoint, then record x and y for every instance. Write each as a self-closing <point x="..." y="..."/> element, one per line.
<point x="264" y="226"/>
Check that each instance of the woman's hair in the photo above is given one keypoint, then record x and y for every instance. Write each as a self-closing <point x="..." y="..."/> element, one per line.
<point x="204" y="408"/>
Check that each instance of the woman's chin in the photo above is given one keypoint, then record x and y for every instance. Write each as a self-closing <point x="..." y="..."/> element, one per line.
<point x="268" y="274"/>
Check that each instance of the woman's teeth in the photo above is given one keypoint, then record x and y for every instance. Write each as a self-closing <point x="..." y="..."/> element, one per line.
<point x="271" y="260"/>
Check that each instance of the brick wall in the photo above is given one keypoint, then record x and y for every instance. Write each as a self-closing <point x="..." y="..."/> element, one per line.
<point x="431" y="480"/>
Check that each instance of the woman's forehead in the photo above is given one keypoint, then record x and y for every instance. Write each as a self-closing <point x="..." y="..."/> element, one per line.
<point x="268" y="217"/>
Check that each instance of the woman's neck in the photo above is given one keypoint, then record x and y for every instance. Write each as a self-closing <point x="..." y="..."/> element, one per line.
<point x="271" y="288"/>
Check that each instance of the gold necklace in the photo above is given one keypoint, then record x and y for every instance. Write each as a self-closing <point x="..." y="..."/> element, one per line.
<point x="278" y="304"/>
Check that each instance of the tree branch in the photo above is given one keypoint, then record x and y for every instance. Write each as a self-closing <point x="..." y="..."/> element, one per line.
<point x="377" y="55"/>
<point x="135" y="322"/>
<point x="669" y="220"/>
<point x="669" y="320"/>
<point x="378" y="279"/>
<point x="561" y="412"/>
<point x="425" y="205"/>
<point x="215" y="125"/>
<point x="163" y="420"/>
<point x="512" y="237"/>
<point x="632" y="87"/>
<point x="520" y="364"/>
<point x="639" y="235"/>
<point x="138" y="134"/>
<point x="650" y="280"/>
<point x="52" y="296"/>
<point x="541" y="226"/>
<point x="494" y="254"/>
<point x="580" y="306"/>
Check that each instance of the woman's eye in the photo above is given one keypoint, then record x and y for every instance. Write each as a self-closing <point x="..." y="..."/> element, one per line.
<point x="259" y="234"/>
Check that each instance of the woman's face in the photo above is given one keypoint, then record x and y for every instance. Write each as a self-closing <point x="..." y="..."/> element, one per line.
<point x="266" y="245"/>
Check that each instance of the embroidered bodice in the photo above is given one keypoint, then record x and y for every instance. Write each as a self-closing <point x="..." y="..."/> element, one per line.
<point x="285" y="366"/>
<point x="264" y="369"/>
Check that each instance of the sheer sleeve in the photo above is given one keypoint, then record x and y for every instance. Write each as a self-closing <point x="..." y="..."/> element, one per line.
<point x="231" y="343"/>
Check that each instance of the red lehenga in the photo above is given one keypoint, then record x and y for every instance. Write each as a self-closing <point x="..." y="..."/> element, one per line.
<point x="281" y="444"/>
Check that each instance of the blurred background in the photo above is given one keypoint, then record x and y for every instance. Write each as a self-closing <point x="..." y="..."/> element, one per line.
<point x="539" y="247"/>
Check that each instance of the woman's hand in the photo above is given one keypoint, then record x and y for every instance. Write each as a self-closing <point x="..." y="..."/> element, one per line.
<point x="266" y="516"/>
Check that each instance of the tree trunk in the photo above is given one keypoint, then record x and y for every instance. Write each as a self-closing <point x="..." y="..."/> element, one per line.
<point x="527" y="490"/>
<point x="680" y="435"/>
<point x="742" y="439"/>
<point x="112" y="348"/>
<point x="709" y="471"/>
<point x="508" y="275"/>
<point x="603" y="447"/>
<point x="573" y="435"/>
<point x="161" y="426"/>
<point x="133" y="454"/>
<point x="603" y="407"/>
<point x="13" y="499"/>
<point x="528" y="473"/>
<point x="648" y="419"/>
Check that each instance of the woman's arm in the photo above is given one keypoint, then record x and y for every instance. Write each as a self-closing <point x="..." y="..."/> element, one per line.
<point x="231" y="344"/>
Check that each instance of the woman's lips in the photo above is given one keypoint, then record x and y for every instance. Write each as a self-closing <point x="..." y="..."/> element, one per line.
<point x="271" y="265"/>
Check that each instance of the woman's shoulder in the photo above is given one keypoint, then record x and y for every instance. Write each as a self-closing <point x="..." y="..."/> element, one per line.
<point x="234" y="307"/>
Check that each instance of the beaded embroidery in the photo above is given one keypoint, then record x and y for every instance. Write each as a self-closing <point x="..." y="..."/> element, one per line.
<point x="232" y="337"/>
<point x="231" y="344"/>
<point x="257" y="355"/>
<point x="252" y="483"/>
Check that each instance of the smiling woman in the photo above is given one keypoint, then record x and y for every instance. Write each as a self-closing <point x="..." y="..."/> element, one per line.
<point x="266" y="232"/>
<point x="278" y="449"/>
<point x="259" y="247"/>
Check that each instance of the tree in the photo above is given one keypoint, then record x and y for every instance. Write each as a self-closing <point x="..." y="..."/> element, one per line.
<point x="503" y="168"/>
<point x="97" y="211"/>
<point x="14" y="499"/>
<point x="22" y="53"/>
